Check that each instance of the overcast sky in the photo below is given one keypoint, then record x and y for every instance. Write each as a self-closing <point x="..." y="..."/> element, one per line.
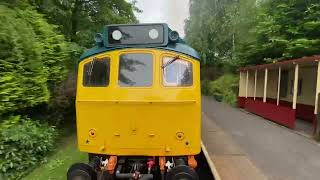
<point x="172" y="12"/>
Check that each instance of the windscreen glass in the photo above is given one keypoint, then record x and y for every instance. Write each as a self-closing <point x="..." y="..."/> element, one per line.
<point x="177" y="73"/>
<point x="129" y="35"/>
<point x="96" y="73"/>
<point x="135" y="70"/>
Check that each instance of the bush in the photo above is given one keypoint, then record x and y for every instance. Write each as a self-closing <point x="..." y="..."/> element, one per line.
<point x="205" y="87"/>
<point x="33" y="59"/>
<point x="223" y="89"/>
<point x="61" y="106"/>
<point x="23" y="144"/>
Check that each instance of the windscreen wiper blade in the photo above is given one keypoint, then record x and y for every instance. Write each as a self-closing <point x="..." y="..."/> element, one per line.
<point x="170" y="62"/>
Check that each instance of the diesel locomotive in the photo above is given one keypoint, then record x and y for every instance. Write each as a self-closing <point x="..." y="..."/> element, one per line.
<point x="138" y="106"/>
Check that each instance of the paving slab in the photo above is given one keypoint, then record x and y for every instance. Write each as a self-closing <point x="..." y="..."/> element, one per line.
<point x="229" y="159"/>
<point x="236" y="168"/>
<point x="216" y="140"/>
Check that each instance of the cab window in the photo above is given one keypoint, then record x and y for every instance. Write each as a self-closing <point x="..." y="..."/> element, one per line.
<point x="135" y="70"/>
<point x="96" y="73"/>
<point x="177" y="72"/>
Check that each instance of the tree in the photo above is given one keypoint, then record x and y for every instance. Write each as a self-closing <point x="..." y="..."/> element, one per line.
<point x="216" y="29"/>
<point x="206" y="27"/>
<point x="286" y="29"/>
<point x="79" y="20"/>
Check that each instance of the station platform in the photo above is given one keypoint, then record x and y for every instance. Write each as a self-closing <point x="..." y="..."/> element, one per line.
<point x="227" y="160"/>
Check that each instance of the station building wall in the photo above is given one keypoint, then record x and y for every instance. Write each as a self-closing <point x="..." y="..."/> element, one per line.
<point x="242" y="84"/>
<point x="272" y="86"/>
<point x="251" y="83"/>
<point x="260" y="83"/>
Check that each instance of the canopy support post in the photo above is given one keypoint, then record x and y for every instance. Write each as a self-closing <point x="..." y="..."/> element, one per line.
<point x="295" y="86"/>
<point x="316" y="104"/>
<point x="240" y="83"/>
<point x="279" y="84"/>
<point x="265" y="85"/>
<point x="247" y="82"/>
<point x="255" y="84"/>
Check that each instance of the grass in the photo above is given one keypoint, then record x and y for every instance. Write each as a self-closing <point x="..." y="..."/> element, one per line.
<point x="58" y="163"/>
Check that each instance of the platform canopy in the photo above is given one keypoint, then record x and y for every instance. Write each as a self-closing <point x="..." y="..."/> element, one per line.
<point x="286" y="63"/>
<point x="283" y="90"/>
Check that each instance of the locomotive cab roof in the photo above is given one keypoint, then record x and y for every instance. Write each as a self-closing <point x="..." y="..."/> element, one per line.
<point x="155" y="36"/>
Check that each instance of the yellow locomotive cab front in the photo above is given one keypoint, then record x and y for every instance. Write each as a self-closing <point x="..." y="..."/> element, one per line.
<point x="139" y="102"/>
<point x="138" y="106"/>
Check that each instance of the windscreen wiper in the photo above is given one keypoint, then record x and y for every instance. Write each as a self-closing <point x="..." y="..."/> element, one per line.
<point x="90" y="70"/>
<point x="170" y="62"/>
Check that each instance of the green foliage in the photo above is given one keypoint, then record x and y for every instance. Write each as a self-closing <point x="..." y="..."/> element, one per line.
<point x="23" y="144"/>
<point x="232" y="33"/>
<point x="207" y="32"/>
<point x="80" y="20"/>
<point x="23" y="78"/>
<point x="223" y="89"/>
<point x="61" y="106"/>
<point x="215" y="28"/>
<point x="33" y="58"/>
<point x="205" y="85"/>
<point x="239" y="33"/>
<point x="65" y="155"/>
<point x="286" y="29"/>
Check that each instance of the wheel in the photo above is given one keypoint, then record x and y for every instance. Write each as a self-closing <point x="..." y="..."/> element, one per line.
<point x="81" y="171"/>
<point x="182" y="172"/>
<point x="94" y="161"/>
<point x="91" y="156"/>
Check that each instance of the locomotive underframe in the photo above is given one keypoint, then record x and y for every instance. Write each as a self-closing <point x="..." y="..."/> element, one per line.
<point x="105" y="167"/>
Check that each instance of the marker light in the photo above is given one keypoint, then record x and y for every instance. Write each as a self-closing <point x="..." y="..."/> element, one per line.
<point x="174" y="36"/>
<point x="153" y="34"/>
<point x="98" y="38"/>
<point x="116" y="35"/>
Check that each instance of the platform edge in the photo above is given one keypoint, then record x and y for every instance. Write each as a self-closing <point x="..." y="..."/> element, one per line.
<point x="210" y="162"/>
